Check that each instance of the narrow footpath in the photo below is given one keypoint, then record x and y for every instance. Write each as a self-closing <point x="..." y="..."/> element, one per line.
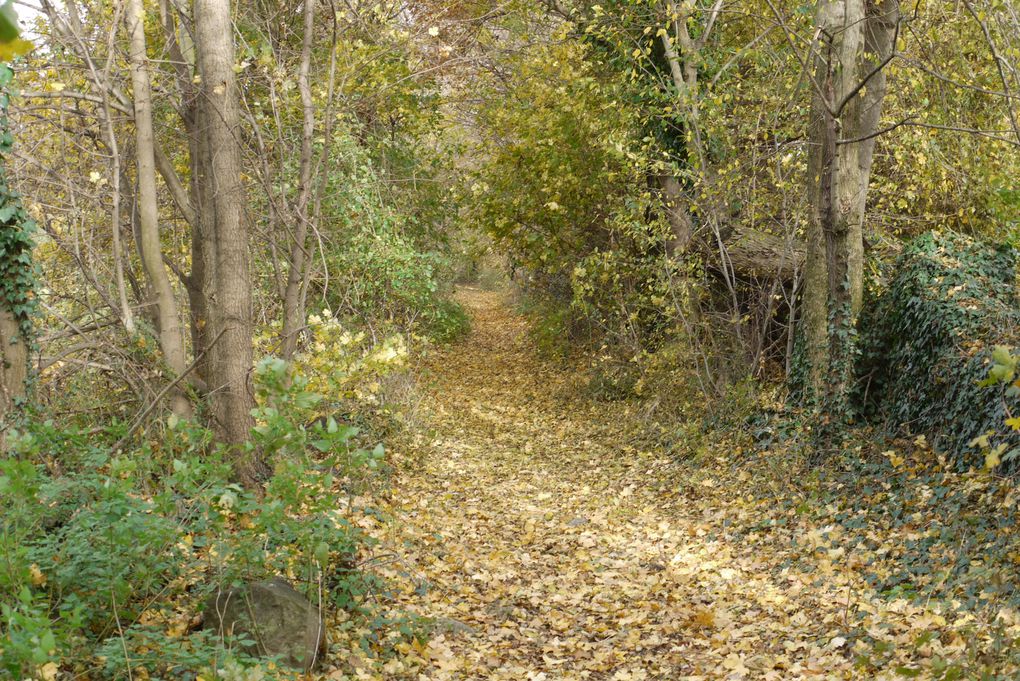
<point x="543" y="546"/>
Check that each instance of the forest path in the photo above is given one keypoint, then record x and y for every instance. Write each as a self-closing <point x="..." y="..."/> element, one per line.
<point x="548" y="548"/>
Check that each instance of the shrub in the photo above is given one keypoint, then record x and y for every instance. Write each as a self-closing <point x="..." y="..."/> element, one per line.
<point x="927" y="340"/>
<point x="389" y="265"/>
<point x="108" y="554"/>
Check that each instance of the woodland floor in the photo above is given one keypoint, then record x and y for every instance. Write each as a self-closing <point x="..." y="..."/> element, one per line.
<point x="543" y="546"/>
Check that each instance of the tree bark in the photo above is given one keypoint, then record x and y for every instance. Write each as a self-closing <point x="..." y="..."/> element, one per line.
<point x="13" y="367"/>
<point x="191" y="200"/>
<point x="855" y="43"/>
<point x="223" y="227"/>
<point x="680" y="224"/>
<point x="169" y="327"/>
<point x="293" y="310"/>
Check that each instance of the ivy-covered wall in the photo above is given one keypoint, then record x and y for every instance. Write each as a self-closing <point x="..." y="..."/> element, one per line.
<point x="927" y="341"/>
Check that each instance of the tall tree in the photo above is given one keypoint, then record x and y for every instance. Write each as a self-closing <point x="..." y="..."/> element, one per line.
<point x="16" y="277"/>
<point x="224" y="234"/>
<point x="855" y="42"/>
<point x="168" y="320"/>
<point x="293" y="308"/>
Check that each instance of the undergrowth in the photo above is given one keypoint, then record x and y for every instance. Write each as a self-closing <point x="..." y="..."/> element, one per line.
<point x="108" y="553"/>
<point x="929" y="338"/>
<point x="905" y="520"/>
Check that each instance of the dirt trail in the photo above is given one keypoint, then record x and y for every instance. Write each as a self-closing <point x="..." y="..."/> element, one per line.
<point x="550" y="549"/>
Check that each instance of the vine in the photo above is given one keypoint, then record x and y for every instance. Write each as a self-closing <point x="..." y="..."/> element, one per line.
<point x="929" y="341"/>
<point x="17" y="271"/>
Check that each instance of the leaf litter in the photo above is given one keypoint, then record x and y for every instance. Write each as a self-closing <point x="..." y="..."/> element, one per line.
<point x="541" y="542"/>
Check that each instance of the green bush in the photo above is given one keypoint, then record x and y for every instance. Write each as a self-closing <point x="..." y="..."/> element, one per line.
<point x="107" y="555"/>
<point x="927" y="340"/>
<point x="389" y="263"/>
<point x="554" y="326"/>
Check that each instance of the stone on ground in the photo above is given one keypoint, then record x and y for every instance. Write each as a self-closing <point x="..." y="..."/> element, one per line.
<point x="279" y="621"/>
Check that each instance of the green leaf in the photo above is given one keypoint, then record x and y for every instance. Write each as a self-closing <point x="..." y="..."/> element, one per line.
<point x="9" y="30"/>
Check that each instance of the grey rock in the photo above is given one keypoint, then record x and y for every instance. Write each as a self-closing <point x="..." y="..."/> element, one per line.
<point x="500" y="610"/>
<point x="278" y="620"/>
<point x="448" y="625"/>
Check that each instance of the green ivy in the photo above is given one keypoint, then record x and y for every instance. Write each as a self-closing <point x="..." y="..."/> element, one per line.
<point x="928" y="340"/>
<point x="17" y="271"/>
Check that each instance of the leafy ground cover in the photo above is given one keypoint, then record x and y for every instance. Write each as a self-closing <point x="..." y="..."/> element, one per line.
<point x="541" y="536"/>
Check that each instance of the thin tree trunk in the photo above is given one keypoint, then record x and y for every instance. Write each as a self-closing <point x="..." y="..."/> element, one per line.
<point x="683" y="54"/>
<point x="880" y="33"/>
<point x="230" y="297"/>
<point x="191" y="201"/>
<point x="101" y="83"/>
<point x="202" y="259"/>
<point x="171" y="332"/>
<point x="293" y="310"/>
<point x="126" y="314"/>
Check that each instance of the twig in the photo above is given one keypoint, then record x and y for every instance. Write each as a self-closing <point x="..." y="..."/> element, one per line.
<point x="162" y="393"/>
<point x="906" y="121"/>
<point x="123" y="641"/>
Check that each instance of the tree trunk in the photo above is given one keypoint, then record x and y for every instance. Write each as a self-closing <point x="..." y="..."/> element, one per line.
<point x="223" y="227"/>
<point x="190" y="201"/>
<point x="680" y="224"/>
<point x="16" y="277"/>
<point x="293" y="309"/>
<point x="171" y="331"/>
<point x="13" y="367"/>
<point x="854" y="45"/>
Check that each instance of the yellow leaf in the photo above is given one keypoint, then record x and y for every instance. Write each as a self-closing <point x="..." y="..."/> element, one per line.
<point x="704" y="618"/>
<point x="14" y="48"/>
<point x="37" y="576"/>
<point x="894" y="459"/>
<point x="529" y="531"/>
<point x="993" y="457"/>
<point x="49" y="671"/>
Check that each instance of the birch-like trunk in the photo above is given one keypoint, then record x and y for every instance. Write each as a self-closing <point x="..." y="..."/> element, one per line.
<point x="293" y="308"/>
<point x="170" y="328"/>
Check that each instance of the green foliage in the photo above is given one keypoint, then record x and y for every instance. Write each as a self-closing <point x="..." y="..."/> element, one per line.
<point x="11" y="45"/>
<point x="562" y="161"/>
<point x="390" y="267"/>
<point x="381" y="255"/>
<point x="386" y="278"/>
<point x="554" y="326"/>
<point x="564" y="191"/>
<point x="106" y="564"/>
<point x="1002" y="374"/>
<point x="927" y="340"/>
<point x="17" y="271"/>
